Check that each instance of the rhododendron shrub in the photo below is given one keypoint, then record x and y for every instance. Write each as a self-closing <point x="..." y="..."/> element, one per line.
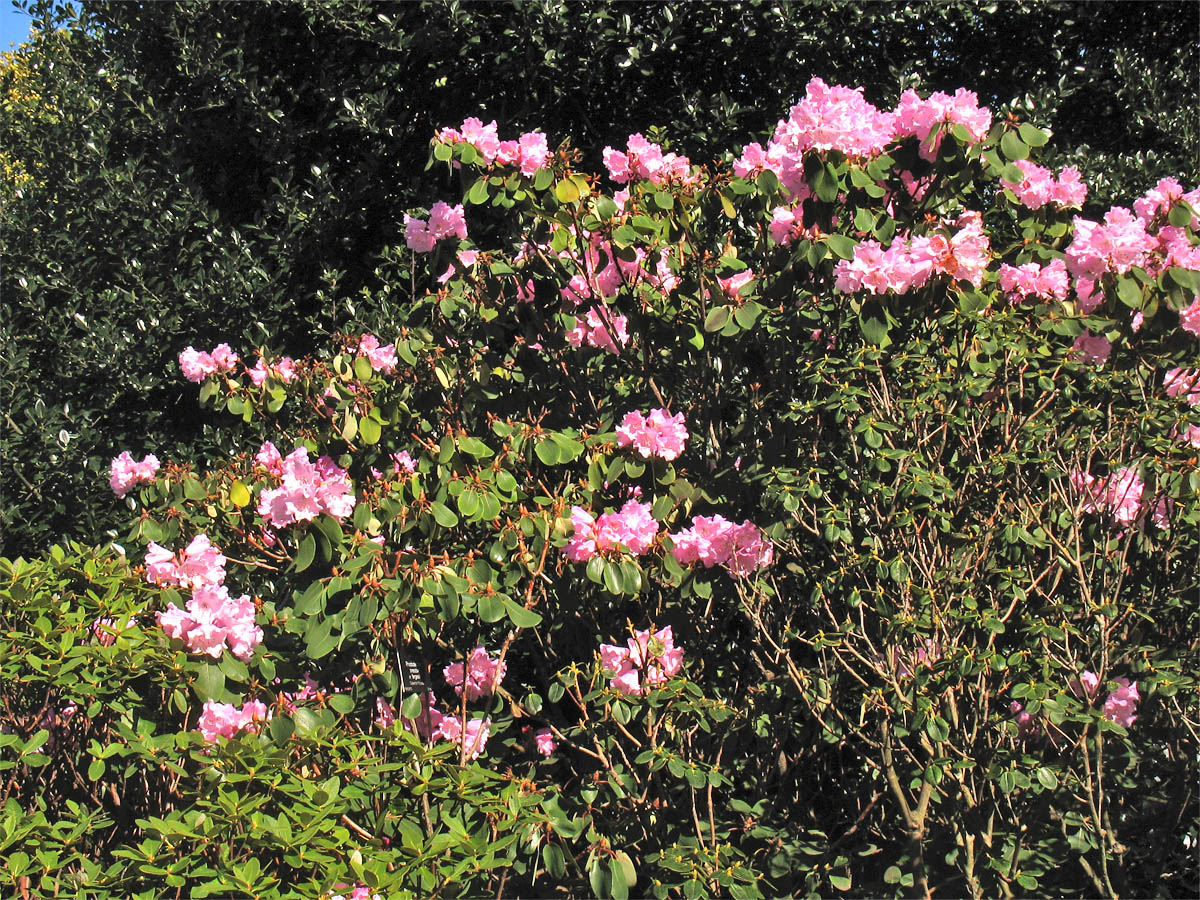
<point x="929" y="460"/>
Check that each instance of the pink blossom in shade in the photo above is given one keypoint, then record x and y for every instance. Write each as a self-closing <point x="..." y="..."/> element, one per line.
<point x="403" y="463"/>
<point x="483" y="674"/>
<point x="465" y="259"/>
<point x="268" y="457"/>
<point x="659" y="434"/>
<point x="1160" y="513"/>
<point x="385" y="713"/>
<point x="1189" y="318"/>
<point x="125" y="473"/>
<point x="219" y="720"/>
<point x="1120" y="705"/>
<point x="1031" y="280"/>
<point x="731" y="287"/>
<point x="1183" y="383"/>
<point x="916" y="117"/>
<point x="381" y="357"/>
<point x="714" y="540"/>
<point x="1028" y="726"/>
<point x="594" y="330"/>
<point x="306" y="491"/>
<point x="1085" y="685"/>
<point x="197" y="366"/>
<point x="1189" y="434"/>
<point x="544" y="740"/>
<point x="1091" y="348"/>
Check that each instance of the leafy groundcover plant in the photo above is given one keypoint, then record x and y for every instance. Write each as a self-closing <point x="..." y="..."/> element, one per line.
<point x="820" y="520"/>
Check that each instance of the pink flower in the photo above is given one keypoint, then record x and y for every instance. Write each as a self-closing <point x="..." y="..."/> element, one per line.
<point x="212" y="621"/>
<point x="659" y="434"/>
<point x="1085" y="685"/>
<point x="197" y="366"/>
<point x="1183" y="383"/>
<point x="283" y="370"/>
<point x="385" y="713"/>
<point x="644" y="159"/>
<point x="1027" y="725"/>
<point x="633" y="527"/>
<point x="200" y="564"/>
<point x="1090" y="348"/>
<point x="403" y="463"/>
<point x="1189" y="318"/>
<point x="125" y="473"/>
<point x="647" y="659"/>
<point x="731" y="287"/>
<point x="918" y="117"/>
<point x="1120" y="494"/>
<point x="268" y="457"/>
<point x="483" y="674"/>
<point x="381" y="358"/>
<point x="544" y="739"/>
<point x="594" y="330"/>
<point x="1121" y="704"/>
<point x="1039" y="187"/>
<point x="225" y="720"/>
<point x="716" y="541"/>
<point x="307" y="490"/>
<point x="1031" y="280"/>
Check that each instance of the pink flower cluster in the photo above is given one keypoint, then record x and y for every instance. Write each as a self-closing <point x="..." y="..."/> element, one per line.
<point x="658" y="434"/>
<point x="381" y="357"/>
<point x="307" y="490"/>
<point x="1183" y="383"/>
<point x="1120" y="705"/>
<point x="200" y="564"/>
<point x="360" y="892"/>
<point x="909" y="262"/>
<point x="1189" y="318"/>
<point x="915" y="117"/>
<point x="529" y="152"/>
<point x="225" y="720"/>
<point x="434" y="725"/>
<point x="283" y="369"/>
<point x="731" y="287"/>
<point x="1091" y="348"/>
<point x="1039" y="187"/>
<point x="1159" y="199"/>
<point x="646" y="660"/>
<point x="444" y="221"/>
<point x="483" y="674"/>
<point x="212" y="621"/>
<point x="125" y="474"/>
<point x="545" y="743"/>
<point x="1116" y="246"/>
<point x="715" y="541"/>
<point x="787" y="223"/>
<point x="605" y="330"/>
<point x="1031" y="280"/>
<point x="644" y="160"/>
<point x="633" y="527"/>
<point x="838" y="118"/>
<point x="1121" y="496"/>
<point x="197" y="366"/>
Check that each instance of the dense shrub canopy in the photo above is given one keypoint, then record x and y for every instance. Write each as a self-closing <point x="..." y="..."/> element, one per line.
<point x="174" y="172"/>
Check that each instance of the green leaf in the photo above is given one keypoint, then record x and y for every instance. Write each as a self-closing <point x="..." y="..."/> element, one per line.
<point x="443" y="515"/>
<point x="1014" y="148"/>
<point x="552" y="858"/>
<point x="239" y="494"/>
<point x="873" y="324"/>
<point x="938" y="729"/>
<point x="210" y="683"/>
<point x="566" y="191"/>
<point x="618" y="888"/>
<point x="479" y="192"/>
<point x="825" y="185"/>
<point x="891" y="875"/>
<point x="1032" y="135"/>
<point x="519" y="615"/>
<point x="663" y="200"/>
<point x="542" y="179"/>
<point x="342" y="703"/>
<point x="1130" y="292"/>
<point x="841" y="882"/>
<point x="717" y="318"/>
<point x="547" y="451"/>
<point x="306" y="552"/>
<point x="490" y="607"/>
<point x="599" y="880"/>
<point x="318" y="638"/>
<point x="442" y="152"/>
<point x="614" y="581"/>
<point x="606" y="207"/>
<point x="96" y="769"/>
<point x="362" y="369"/>
<point x="621" y="859"/>
<point x="349" y="425"/>
<point x="842" y="245"/>
<point x="1180" y="215"/>
<point x="369" y="430"/>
